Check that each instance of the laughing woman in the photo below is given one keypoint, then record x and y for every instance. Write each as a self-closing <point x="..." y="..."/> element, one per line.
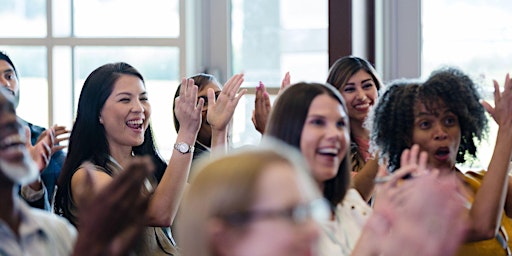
<point x="112" y="126"/>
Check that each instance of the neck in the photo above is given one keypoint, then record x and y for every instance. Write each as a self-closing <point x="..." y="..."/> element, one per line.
<point x="121" y="155"/>
<point x="357" y="129"/>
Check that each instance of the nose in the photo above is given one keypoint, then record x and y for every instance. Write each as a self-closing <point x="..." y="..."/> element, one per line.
<point x="440" y="132"/>
<point x="4" y="82"/>
<point x="361" y="95"/>
<point x="138" y="106"/>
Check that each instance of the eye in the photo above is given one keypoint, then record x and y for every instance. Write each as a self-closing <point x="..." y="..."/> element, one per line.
<point x="425" y="124"/>
<point x="450" y="120"/>
<point x="143" y="98"/>
<point x="349" y="89"/>
<point x="317" y="122"/>
<point x="124" y="100"/>
<point x="368" y="85"/>
<point x="341" y="123"/>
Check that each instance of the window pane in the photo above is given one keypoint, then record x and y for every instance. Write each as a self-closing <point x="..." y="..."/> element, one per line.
<point x="474" y="35"/>
<point x="126" y="18"/>
<point x="292" y="37"/>
<point x="160" y="68"/>
<point x="23" y="18"/>
<point x="30" y="64"/>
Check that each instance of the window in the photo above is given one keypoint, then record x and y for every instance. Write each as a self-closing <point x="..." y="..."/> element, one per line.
<point x="55" y="54"/>
<point x="474" y="35"/>
<point x="292" y="37"/>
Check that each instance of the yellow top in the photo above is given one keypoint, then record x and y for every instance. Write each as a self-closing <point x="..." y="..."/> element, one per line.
<point x="491" y="246"/>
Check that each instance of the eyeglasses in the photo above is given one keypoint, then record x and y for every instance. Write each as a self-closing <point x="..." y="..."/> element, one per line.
<point x="317" y="210"/>
<point x="205" y="98"/>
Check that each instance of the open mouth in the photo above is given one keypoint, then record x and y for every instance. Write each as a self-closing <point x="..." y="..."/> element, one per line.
<point x="442" y="154"/>
<point x="11" y="141"/>
<point x="135" y="124"/>
<point x="332" y="152"/>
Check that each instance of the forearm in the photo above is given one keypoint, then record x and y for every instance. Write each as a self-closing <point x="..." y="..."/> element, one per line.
<point x="219" y="141"/>
<point x="165" y="201"/>
<point x="487" y="208"/>
<point x="364" y="179"/>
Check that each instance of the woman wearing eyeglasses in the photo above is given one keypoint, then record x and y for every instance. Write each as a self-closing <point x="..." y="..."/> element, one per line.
<point x="259" y="201"/>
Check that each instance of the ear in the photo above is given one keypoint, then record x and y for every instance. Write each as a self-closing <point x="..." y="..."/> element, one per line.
<point x="221" y="237"/>
<point x="100" y="119"/>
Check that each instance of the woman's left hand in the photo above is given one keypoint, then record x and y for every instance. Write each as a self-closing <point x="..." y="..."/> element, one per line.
<point x="188" y="106"/>
<point x="221" y="110"/>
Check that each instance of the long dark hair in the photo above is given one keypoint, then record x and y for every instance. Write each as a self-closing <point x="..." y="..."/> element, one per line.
<point x="339" y="74"/>
<point x="286" y="123"/>
<point x="88" y="141"/>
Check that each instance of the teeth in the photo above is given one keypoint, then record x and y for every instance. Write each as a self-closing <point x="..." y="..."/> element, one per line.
<point x="135" y="122"/>
<point x="362" y="106"/>
<point x="10" y="140"/>
<point x="333" y="151"/>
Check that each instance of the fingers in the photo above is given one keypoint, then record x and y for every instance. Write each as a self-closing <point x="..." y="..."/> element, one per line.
<point x="232" y="85"/>
<point x="28" y="143"/>
<point x="286" y="82"/>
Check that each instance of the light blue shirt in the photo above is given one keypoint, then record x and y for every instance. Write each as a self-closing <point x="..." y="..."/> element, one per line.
<point x="41" y="233"/>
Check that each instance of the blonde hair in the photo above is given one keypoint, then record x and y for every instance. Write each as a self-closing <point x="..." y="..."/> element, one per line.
<point x="227" y="185"/>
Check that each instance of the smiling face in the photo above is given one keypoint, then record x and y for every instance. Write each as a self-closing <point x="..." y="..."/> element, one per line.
<point x="8" y="78"/>
<point x="278" y="188"/>
<point x="360" y="93"/>
<point x="205" y="131"/>
<point x="324" y="138"/>
<point x="16" y="163"/>
<point x="126" y="112"/>
<point x="437" y="131"/>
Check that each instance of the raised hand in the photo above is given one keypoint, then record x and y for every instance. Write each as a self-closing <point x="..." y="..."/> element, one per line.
<point x="112" y="219"/>
<point x="284" y="83"/>
<point x="42" y="150"/>
<point x="502" y="111"/>
<point x="188" y="107"/>
<point x="221" y="110"/>
<point x="58" y="132"/>
<point x="262" y="108"/>
<point x="409" y="212"/>
<point x="262" y="105"/>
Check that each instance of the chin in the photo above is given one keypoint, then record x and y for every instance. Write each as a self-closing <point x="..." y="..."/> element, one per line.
<point x="20" y="173"/>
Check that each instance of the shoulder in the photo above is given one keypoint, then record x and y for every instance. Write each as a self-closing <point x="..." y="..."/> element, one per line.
<point x="82" y="179"/>
<point x="54" y="226"/>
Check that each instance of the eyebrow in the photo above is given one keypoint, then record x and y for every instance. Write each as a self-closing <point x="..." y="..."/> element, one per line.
<point x="421" y="114"/>
<point x="129" y="94"/>
<point x="9" y="70"/>
<point x="364" y="81"/>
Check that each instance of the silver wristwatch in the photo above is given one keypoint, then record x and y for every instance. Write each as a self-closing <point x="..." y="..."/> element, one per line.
<point x="183" y="147"/>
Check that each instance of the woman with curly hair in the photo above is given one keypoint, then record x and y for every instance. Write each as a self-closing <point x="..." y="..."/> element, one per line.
<point x="445" y="118"/>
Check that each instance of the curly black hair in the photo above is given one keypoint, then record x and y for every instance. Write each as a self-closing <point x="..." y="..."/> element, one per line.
<point x="392" y="119"/>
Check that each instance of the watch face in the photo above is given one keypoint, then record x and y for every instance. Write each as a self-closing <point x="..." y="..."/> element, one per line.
<point x="183" y="147"/>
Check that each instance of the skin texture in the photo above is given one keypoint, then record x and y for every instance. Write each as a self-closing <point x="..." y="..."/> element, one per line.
<point x="359" y="93"/>
<point x="205" y="132"/>
<point x="437" y="132"/>
<point x="324" y="139"/>
<point x="262" y="105"/>
<point x="278" y="188"/>
<point x="416" y="112"/>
